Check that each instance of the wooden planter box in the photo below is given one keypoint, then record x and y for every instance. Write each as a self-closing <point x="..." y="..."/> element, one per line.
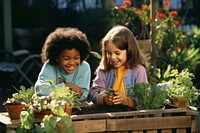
<point x="144" y="121"/>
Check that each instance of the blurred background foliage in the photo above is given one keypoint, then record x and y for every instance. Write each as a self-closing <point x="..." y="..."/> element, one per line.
<point x="94" y="20"/>
<point x="95" y="17"/>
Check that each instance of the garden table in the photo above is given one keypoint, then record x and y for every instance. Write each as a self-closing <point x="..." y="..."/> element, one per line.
<point x="148" y="121"/>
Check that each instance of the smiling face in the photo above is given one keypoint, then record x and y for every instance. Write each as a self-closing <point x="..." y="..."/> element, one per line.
<point x="69" y="60"/>
<point x="116" y="57"/>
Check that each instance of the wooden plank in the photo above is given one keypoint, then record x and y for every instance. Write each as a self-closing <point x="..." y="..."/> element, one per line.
<point x="7" y="122"/>
<point x="166" y="131"/>
<point x="131" y="114"/>
<point x="137" y="132"/>
<point x="180" y="130"/>
<point x="148" y="123"/>
<point x="90" y="116"/>
<point x="125" y="121"/>
<point x="89" y="126"/>
<point x="151" y="131"/>
<point x="191" y="112"/>
<point x="194" y="124"/>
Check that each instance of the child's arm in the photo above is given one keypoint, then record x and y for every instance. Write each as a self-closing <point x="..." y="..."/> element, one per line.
<point x="99" y="83"/>
<point x="46" y="79"/>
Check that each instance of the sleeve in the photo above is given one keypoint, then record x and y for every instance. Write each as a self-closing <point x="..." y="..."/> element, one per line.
<point x="99" y="83"/>
<point x="141" y="75"/>
<point x="46" y="77"/>
<point x="83" y="79"/>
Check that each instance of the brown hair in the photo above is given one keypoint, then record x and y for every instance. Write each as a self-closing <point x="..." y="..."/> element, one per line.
<point x="123" y="39"/>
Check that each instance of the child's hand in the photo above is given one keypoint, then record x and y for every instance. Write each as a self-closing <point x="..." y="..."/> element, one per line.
<point x="77" y="89"/>
<point x="109" y="99"/>
<point x="120" y="99"/>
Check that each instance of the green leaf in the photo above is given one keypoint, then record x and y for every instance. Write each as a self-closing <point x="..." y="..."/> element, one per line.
<point x="66" y="120"/>
<point x="38" y="129"/>
<point x="49" y="124"/>
<point x="95" y="54"/>
<point x="26" y="120"/>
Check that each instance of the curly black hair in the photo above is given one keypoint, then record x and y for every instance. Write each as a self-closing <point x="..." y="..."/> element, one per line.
<point x="64" y="38"/>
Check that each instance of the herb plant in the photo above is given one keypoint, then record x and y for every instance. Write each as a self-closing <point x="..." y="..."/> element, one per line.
<point x="148" y="96"/>
<point x="23" y="95"/>
<point x="49" y="124"/>
<point x="108" y="91"/>
<point x="64" y="95"/>
<point x="58" y="120"/>
<point x="182" y="85"/>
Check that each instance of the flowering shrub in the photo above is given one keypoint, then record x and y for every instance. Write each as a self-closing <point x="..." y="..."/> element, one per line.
<point x="170" y="42"/>
<point x="169" y="34"/>
<point x="135" y="18"/>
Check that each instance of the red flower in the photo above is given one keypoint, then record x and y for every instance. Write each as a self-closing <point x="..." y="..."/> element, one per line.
<point x="173" y="13"/>
<point x="183" y="46"/>
<point x="127" y="3"/>
<point x="144" y="7"/>
<point x="166" y="3"/>
<point x="177" y="22"/>
<point x="161" y="15"/>
<point x="123" y="8"/>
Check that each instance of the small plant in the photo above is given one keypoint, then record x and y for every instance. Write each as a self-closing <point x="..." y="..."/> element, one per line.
<point x="148" y="96"/>
<point x="182" y="85"/>
<point x="40" y="103"/>
<point x="65" y="95"/>
<point x="18" y="101"/>
<point x="108" y="91"/>
<point x="49" y="124"/>
<point x="57" y="102"/>
<point x="23" y="96"/>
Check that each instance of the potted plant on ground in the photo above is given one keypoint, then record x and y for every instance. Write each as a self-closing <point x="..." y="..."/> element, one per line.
<point x="182" y="92"/>
<point x="18" y="101"/>
<point x="148" y="96"/>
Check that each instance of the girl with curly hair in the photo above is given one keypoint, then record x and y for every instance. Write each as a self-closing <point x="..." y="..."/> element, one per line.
<point x="63" y="54"/>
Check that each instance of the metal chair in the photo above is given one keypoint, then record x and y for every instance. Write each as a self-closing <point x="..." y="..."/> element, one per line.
<point x="9" y="64"/>
<point x="8" y="58"/>
<point x="27" y="71"/>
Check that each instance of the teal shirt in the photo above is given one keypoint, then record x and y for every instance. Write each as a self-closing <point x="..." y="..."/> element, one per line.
<point x="80" y="77"/>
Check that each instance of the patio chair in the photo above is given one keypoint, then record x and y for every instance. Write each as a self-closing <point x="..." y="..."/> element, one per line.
<point x="27" y="71"/>
<point x="8" y="58"/>
<point x="8" y="68"/>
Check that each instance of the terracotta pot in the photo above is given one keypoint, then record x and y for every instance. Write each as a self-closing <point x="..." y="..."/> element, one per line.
<point x="68" y="109"/>
<point x="14" y="110"/>
<point x="179" y="103"/>
<point x="41" y="114"/>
